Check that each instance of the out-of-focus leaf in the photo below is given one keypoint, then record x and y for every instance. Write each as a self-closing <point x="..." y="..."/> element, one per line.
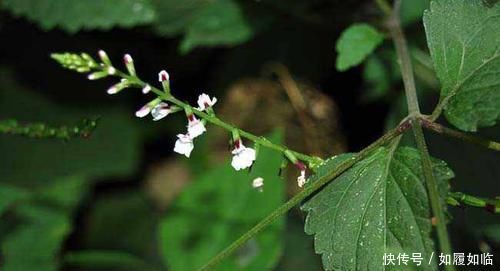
<point x="34" y="245"/>
<point x="222" y="22"/>
<point x="228" y="206"/>
<point x="377" y="78"/>
<point x="64" y="193"/>
<point x="174" y="16"/>
<point x="112" y="150"/>
<point x="412" y="11"/>
<point x="123" y="221"/>
<point x="378" y="206"/>
<point x="203" y="22"/>
<point x="466" y="55"/>
<point x="74" y="15"/>
<point x="106" y="260"/>
<point x="10" y="195"/>
<point x="355" y="44"/>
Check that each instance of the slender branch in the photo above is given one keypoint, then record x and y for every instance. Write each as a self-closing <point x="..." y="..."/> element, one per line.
<point x="384" y="7"/>
<point x="443" y="130"/>
<point x="404" y="60"/>
<point x="459" y="199"/>
<point x="305" y="193"/>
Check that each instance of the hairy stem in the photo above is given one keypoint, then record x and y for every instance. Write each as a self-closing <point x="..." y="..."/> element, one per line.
<point x="388" y="137"/>
<point x="404" y="60"/>
<point x="443" y="130"/>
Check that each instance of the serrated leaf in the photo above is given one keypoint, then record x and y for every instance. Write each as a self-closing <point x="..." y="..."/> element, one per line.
<point x="35" y="244"/>
<point x="378" y="206"/>
<point x="75" y="15"/>
<point x="228" y="206"/>
<point x="355" y="44"/>
<point x="465" y="48"/>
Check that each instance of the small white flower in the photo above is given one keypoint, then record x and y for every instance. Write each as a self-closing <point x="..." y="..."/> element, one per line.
<point x="205" y="102"/>
<point x="258" y="183"/>
<point x="195" y="126"/>
<point x="301" y="180"/>
<point x="160" y="111"/>
<point x="163" y="76"/>
<point x="143" y="111"/>
<point x="184" y="145"/>
<point x="243" y="157"/>
<point x="146" y="89"/>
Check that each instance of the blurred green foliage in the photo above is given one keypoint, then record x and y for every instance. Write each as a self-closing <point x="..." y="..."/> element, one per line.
<point x="190" y="236"/>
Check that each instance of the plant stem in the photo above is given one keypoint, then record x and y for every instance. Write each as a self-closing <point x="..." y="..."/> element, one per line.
<point x="443" y="130"/>
<point x="305" y="193"/>
<point x="491" y="205"/>
<point x="384" y="6"/>
<point x="404" y="60"/>
<point x="432" y="190"/>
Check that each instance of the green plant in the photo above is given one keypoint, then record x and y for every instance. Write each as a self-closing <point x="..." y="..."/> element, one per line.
<point x="387" y="198"/>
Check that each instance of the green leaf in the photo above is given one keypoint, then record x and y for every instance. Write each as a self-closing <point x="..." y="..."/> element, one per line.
<point x="10" y="195"/>
<point x="174" y="16"/>
<point x="465" y="47"/>
<point x="355" y="44"/>
<point x="106" y="260"/>
<point x="378" y="206"/>
<point x="35" y="244"/>
<point x="222" y="22"/>
<point x="75" y="15"/>
<point x="412" y="11"/>
<point x="31" y="162"/>
<point x="228" y="206"/>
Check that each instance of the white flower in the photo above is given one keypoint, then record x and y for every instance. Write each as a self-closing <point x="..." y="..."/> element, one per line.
<point x="195" y="126"/>
<point x="163" y="76"/>
<point x="301" y="180"/>
<point x="143" y="111"/>
<point x="160" y="111"/>
<point x="111" y="70"/>
<point x="205" y="102"/>
<point x="184" y="145"/>
<point x="146" y="89"/>
<point x="243" y="157"/>
<point x="258" y="183"/>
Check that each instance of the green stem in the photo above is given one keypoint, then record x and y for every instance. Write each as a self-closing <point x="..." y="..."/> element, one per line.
<point x="404" y="60"/>
<point x="305" y="193"/>
<point x="432" y="190"/>
<point x="491" y="205"/>
<point x="443" y="130"/>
